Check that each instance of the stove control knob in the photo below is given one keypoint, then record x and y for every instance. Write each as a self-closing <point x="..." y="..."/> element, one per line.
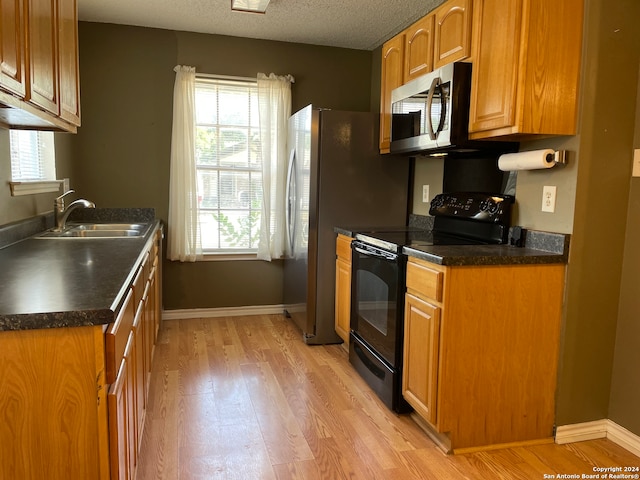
<point x="438" y="201"/>
<point x="490" y="206"/>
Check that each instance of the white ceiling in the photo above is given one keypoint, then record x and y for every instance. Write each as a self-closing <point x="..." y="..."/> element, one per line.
<point x="358" y="24"/>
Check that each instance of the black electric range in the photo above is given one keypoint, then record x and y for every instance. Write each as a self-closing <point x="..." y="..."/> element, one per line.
<point x="378" y="281"/>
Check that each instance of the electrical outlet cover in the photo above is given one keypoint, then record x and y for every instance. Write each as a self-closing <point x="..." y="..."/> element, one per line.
<point x="549" y="198"/>
<point x="636" y="163"/>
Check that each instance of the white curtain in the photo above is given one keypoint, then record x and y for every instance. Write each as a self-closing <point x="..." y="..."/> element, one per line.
<point x="183" y="232"/>
<point x="274" y="98"/>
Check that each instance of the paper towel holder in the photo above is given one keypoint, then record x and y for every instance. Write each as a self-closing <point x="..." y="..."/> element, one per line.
<point x="558" y="157"/>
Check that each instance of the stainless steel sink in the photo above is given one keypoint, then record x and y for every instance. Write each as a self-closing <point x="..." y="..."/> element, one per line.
<point x="99" y="230"/>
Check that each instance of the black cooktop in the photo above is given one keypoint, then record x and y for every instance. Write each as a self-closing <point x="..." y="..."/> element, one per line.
<point x="463" y="218"/>
<point x="393" y="241"/>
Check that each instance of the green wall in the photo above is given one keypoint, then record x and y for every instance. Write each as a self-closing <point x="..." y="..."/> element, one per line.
<point x="121" y="153"/>
<point x="624" y="404"/>
<point x="611" y="56"/>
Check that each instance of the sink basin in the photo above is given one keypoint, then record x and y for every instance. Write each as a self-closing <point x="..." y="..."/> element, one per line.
<point x="109" y="226"/>
<point x="99" y="230"/>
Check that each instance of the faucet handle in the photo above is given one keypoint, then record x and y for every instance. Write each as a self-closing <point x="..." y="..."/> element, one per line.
<point x="59" y="201"/>
<point x="64" y="195"/>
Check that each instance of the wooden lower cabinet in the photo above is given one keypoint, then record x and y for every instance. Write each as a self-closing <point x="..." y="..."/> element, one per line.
<point x="481" y="351"/>
<point x="421" y="348"/>
<point x="128" y="397"/>
<point x="120" y="426"/>
<point x="343" y="287"/>
<point x="73" y="400"/>
<point x="53" y="404"/>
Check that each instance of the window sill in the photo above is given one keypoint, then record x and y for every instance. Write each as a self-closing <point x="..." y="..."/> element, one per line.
<point x="32" y="188"/>
<point x="222" y="257"/>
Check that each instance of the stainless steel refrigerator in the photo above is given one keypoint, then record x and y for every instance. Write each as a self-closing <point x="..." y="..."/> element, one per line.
<point x="336" y="177"/>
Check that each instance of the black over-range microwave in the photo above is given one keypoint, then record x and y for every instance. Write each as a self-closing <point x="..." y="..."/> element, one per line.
<point x="430" y="115"/>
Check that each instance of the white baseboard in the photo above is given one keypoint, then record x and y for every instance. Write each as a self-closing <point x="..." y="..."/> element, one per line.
<point x="599" y="429"/>
<point x="222" y="312"/>
<point x="623" y="437"/>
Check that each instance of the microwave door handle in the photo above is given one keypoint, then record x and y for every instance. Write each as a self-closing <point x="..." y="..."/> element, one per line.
<point x="434" y="84"/>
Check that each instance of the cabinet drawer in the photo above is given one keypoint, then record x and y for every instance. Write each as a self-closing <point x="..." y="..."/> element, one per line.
<point x="343" y="247"/>
<point x="117" y="336"/>
<point x="424" y="280"/>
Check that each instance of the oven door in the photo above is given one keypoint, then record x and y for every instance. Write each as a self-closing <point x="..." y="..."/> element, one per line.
<point x="377" y="300"/>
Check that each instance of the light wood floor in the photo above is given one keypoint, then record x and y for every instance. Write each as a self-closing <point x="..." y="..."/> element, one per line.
<point x="244" y="398"/>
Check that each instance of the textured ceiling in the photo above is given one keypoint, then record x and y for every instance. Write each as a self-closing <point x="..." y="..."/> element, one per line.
<point x="358" y="24"/>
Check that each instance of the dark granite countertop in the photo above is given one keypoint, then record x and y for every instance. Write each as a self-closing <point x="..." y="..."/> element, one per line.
<point x="458" y="255"/>
<point x="52" y="283"/>
<point x="540" y="247"/>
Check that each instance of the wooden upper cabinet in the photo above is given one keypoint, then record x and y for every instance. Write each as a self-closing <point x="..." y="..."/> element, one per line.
<point x="68" y="61"/>
<point x="42" y="34"/>
<point x="39" y="70"/>
<point x="12" y="46"/>
<point x="496" y="36"/>
<point x="391" y="77"/>
<point x="418" y="56"/>
<point x="526" y="68"/>
<point x="452" y="32"/>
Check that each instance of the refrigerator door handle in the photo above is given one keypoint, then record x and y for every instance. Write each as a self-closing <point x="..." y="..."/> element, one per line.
<point x="290" y="214"/>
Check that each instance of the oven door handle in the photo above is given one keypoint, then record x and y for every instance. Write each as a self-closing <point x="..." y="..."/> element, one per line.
<point x="374" y="252"/>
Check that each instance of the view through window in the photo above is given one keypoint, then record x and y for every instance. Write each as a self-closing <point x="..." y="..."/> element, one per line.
<point x="32" y="155"/>
<point x="228" y="164"/>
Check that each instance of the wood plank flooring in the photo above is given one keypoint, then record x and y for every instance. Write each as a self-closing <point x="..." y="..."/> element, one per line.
<point x="244" y="398"/>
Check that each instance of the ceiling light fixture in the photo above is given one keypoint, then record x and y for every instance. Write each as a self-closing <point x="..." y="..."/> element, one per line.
<point x="256" y="6"/>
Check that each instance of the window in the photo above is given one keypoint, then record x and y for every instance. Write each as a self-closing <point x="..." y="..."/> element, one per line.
<point x="33" y="166"/>
<point x="32" y="156"/>
<point x="228" y="165"/>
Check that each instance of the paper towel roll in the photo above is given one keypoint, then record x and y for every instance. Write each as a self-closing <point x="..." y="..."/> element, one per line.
<point x="532" y="160"/>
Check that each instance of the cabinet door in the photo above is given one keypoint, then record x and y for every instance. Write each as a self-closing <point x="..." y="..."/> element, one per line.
<point x="140" y="375"/>
<point x="343" y="299"/>
<point x="392" y="77"/>
<point x="156" y="286"/>
<point x="12" y="47"/>
<point x="150" y="328"/>
<point x="43" y="59"/>
<point x="132" y="430"/>
<point x="68" y="61"/>
<point x="117" y="400"/>
<point x="418" y="58"/>
<point x="421" y="349"/>
<point x="453" y="32"/>
<point x="496" y="52"/>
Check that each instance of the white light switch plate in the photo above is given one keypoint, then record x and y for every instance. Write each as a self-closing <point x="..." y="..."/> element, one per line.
<point x="636" y="163"/>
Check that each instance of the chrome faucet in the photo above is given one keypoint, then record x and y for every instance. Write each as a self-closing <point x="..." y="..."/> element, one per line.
<point x="62" y="213"/>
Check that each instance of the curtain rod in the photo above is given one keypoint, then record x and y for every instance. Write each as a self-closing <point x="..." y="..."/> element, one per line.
<point x="225" y="77"/>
